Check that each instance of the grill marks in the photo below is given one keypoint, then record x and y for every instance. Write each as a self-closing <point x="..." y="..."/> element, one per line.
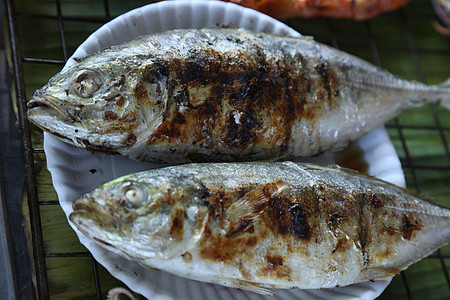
<point x="363" y="229"/>
<point x="299" y="222"/>
<point x="288" y="218"/>
<point x="176" y="228"/>
<point x="241" y="129"/>
<point x="295" y="221"/>
<point x="239" y="242"/>
<point x="280" y="218"/>
<point x="241" y="103"/>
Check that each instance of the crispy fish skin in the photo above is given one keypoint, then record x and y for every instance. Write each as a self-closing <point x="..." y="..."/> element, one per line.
<point x="263" y="225"/>
<point x="222" y="94"/>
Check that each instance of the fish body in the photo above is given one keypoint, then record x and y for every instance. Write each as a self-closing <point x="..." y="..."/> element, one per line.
<point x="349" y="9"/>
<point x="264" y="224"/>
<point x="222" y="94"/>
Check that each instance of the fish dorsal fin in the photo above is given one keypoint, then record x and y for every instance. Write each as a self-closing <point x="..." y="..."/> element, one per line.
<point x="244" y="211"/>
<point x="306" y="37"/>
<point x="78" y="59"/>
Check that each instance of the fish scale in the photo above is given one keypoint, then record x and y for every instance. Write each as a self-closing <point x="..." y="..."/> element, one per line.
<point x="263" y="225"/>
<point x="222" y="94"/>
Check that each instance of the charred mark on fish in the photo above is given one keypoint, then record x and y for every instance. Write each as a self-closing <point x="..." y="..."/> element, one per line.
<point x="328" y="88"/>
<point x="111" y="116"/>
<point x="289" y="218"/>
<point x="377" y="202"/>
<point x="176" y="227"/>
<point x="140" y="91"/>
<point x="275" y="267"/>
<point x="340" y="246"/>
<point x="334" y="220"/>
<point x="240" y="132"/>
<point x="219" y="247"/>
<point x="187" y="256"/>
<point x="299" y="222"/>
<point x="217" y="203"/>
<point x="363" y="229"/>
<point x="409" y="225"/>
<point x="157" y="72"/>
<point x="197" y="71"/>
<point x="130" y="140"/>
<point x="120" y="101"/>
<point x="203" y="193"/>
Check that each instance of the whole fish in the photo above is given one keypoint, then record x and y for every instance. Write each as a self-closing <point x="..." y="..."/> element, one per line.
<point x="263" y="225"/>
<point x="222" y="94"/>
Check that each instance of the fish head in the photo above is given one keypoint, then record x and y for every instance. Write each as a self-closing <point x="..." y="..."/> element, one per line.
<point x="135" y="217"/>
<point x="98" y="104"/>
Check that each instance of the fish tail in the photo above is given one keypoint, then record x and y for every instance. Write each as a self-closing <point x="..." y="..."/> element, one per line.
<point x="438" y="94"/>
<point x="445" y="100"/>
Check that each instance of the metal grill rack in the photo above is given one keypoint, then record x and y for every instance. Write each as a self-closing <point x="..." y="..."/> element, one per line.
<point x="427" y="170"/>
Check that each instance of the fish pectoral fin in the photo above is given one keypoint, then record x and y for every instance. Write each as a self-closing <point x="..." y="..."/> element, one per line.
<point x="380" y="273"/>
<point x="247" y="286"/>
<point x="242" y="212"/>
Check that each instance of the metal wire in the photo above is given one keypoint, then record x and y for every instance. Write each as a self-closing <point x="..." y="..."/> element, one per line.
<point x="34" y="205"/>
<point x="30" y="176"/>
<point x="39" y="254"/>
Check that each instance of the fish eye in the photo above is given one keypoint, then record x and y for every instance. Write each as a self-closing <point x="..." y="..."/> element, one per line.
<point x="86" y="83"/>
<point x="133" y="193"/>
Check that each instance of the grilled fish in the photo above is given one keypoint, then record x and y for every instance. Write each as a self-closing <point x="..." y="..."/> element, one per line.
<point x="222" y="94"/>
<point x="261" y="225"/>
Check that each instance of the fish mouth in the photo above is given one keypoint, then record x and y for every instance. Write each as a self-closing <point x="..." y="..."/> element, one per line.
<point x="53" y="116"/>
<point x="47" y="106"/>
<point x="91" y="229"/>
<point x="95" y="221"/>
<point x="45" y="113"/>
<point x="103" y="225"/>
<point x="103" y="215"/>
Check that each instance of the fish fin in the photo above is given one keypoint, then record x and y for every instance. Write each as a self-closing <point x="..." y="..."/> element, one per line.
<point x="116" y="292"/>
<point x="241" y="213"/>
<point x="78" y="59"/>
<point x="274" y="159"/>
<point x="306" y="37"/>
<point x="446" y="83"/>
<point x="247" y="286"/>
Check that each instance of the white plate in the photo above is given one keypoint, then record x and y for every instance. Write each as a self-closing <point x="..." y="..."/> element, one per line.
<point x="75" y="171"/>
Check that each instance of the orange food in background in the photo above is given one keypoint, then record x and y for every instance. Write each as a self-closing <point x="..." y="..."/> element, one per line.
<point x="352" y="9"/>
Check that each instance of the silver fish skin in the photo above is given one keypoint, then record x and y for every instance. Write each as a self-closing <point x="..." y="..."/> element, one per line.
<point x="222" y="94"/>
<point x="262" y="225"/>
